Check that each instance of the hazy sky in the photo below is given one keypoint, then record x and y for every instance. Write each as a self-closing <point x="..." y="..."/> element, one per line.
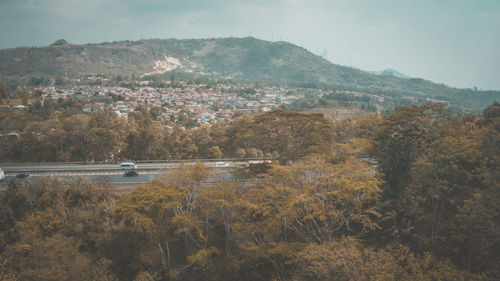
<point x="456" y="42"/>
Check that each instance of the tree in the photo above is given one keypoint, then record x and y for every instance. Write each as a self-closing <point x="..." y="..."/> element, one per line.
<point x="4" y="93"/>
<point x="143" y="137"/>
<point x="348" y="259"/>
<point x="166" y="215"/>
<point x="307" y="202"/>
<point x="398" y="142"/>
<point x="288" y="133"/>
<point x="53" y="230"/>
<point x="215" y="152"/>
<point x="322" y="200"/>
<point x="240" y="153"/>
<point x="444" y="186"/>
<point x="106" y="136"/>
<point x="59" y="42"/>
<point x="220" y="204"/>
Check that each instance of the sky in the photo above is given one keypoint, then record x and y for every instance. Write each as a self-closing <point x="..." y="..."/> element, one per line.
<point x="454" y="42"/>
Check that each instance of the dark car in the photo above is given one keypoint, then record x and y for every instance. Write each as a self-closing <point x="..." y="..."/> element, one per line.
<point x="131" y="173"/>
<point x="22" y="176"/>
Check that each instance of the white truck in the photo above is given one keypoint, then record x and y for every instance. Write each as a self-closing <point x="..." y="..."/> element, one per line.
<point x="2" y="175"/>
<point x="221" y="164"/>
<point x="128" y="166"/>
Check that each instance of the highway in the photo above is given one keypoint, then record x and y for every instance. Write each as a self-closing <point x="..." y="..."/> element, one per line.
<point x="147" y="171"/>
<point x="62" y="167"/>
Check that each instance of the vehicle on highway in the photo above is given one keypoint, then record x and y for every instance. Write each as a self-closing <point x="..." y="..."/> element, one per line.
<point x="221" y="164"/>
<point x="131" y="173"/>
<point x="2" y="175"/>
<point x="128" y="166"/>
<point x="22" y="176"/>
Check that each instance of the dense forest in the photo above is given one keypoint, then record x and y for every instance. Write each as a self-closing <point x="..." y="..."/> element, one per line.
<point x="428" y="211"/>
<point x="70" y="135"/>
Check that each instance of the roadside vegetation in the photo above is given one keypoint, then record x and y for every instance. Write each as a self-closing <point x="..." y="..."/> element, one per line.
<point x="429" y="212"/>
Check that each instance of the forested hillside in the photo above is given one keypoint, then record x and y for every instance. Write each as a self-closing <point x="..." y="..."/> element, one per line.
<point x="243" y="58"/>
<point x="429" y="211"/>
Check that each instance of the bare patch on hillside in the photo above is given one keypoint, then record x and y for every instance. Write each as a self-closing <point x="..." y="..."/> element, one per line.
<point x="162" y="66"/>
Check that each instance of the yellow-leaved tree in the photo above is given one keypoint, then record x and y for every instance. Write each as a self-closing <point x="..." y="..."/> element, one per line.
<point x="312" y="201"/>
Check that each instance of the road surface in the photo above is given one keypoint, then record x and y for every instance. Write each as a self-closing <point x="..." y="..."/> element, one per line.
<point x="147" y="171"/>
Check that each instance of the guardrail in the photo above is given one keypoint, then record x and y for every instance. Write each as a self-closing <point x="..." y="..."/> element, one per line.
<point x="165" y="161"/>
<point x="51" y="167"/>
<point x="11" y="171"/>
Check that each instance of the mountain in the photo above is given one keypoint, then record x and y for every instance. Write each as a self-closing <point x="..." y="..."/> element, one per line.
<point x="390" y="72"/>
<point x="245" y="58"/>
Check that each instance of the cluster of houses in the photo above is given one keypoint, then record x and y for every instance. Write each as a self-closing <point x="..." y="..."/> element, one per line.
<point x="206" y="104"/>
<point x="200" y="103"/>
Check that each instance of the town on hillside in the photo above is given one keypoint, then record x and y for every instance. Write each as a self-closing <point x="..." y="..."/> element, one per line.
<point x="191" y="104"/>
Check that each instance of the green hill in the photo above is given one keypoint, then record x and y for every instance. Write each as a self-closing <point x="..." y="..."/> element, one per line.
<point x="245" y="58"/>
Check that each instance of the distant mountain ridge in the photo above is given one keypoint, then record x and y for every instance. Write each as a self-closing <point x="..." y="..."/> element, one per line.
<point x="245" y="58"/>
<point x="390" y="72"/>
